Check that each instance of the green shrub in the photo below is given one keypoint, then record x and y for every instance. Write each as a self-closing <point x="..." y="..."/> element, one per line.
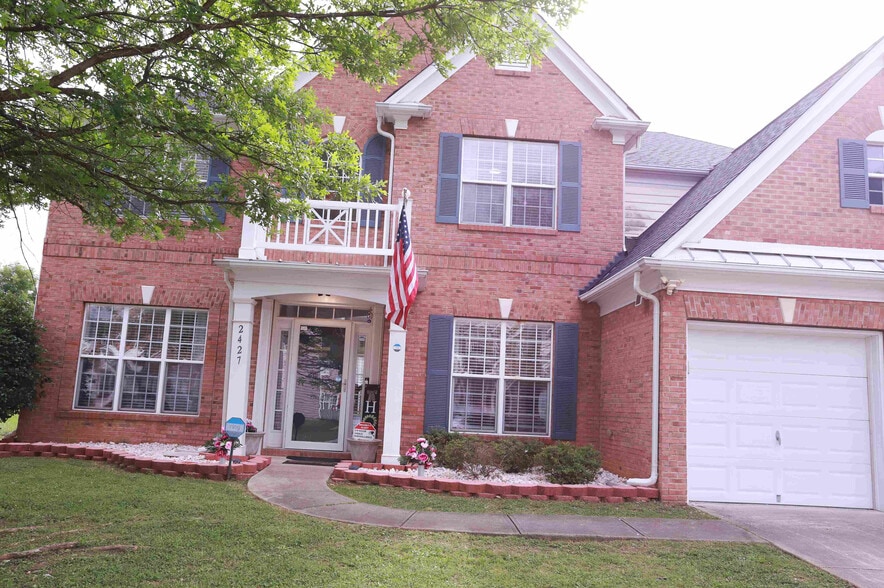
<point x="482" y="462"/>
<point x="457" y="452"/>
<point x="440" y="438"/>
<point x="517" y="455"/>
<point x="565" y="463"/>
<point x="22" y="369"/>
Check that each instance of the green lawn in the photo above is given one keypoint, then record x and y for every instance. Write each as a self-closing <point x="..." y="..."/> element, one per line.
<point x="201" y="533"/>
<point x="417" y="500"/>
<point x="9" y="425"/>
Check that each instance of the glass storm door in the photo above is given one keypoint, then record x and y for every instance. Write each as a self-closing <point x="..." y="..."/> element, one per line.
<point x="317" y="394"/>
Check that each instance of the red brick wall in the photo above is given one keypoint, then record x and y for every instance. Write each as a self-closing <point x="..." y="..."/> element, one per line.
<point x="469" y="267"/>
<point x="684" y="306"/>
<point x="626" y="378"/>
<point x="799" y="202"/>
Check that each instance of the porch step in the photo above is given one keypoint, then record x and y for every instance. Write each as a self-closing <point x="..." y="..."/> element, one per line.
<point x="323" y="461"/>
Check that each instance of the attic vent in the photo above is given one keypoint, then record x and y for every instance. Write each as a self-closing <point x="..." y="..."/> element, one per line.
<point x="514" y="65"/>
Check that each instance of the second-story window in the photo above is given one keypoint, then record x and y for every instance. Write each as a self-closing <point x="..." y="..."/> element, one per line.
<point x="875" y="157"/>
<point x="508" y="183"/>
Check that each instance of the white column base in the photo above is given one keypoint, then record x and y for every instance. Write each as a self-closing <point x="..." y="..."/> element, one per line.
<point x="393" y="401"/>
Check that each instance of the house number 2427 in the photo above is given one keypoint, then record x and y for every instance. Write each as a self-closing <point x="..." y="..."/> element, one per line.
<point x="240" y="329"/>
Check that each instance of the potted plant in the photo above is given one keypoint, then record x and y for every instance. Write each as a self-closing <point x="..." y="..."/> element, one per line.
<point x="254" y="439"/>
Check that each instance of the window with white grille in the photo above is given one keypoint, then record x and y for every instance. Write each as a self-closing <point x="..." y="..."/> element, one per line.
<point x="141" y="359"/>
<point x="501" y="377"/>
<point x="875" y="158"/>
<point x="509" y="183"/>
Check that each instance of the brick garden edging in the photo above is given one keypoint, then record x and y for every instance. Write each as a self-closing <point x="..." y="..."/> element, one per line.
<point x="211" y="470"/>
<point x="393" y="475"/>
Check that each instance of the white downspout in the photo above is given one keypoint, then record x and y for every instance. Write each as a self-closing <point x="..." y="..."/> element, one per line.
<point x="392" y="139"/>
<point x="655" y="386"/>
<point x="229" y="342"/>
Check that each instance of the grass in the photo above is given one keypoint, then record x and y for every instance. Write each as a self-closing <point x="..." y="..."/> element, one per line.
<point x="9" y="425"/>
<point x="410" y="499"/>
<point x="201" y="533"/>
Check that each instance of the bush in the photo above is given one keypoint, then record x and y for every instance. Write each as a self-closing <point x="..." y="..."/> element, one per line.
<point x="565" y="463"/>
<point x="20" y="356"/>
<point x="517" y="455"/>
<point x="440" y="438"/>
<point x="482" y="462"/>
<point x="457" y="452"/>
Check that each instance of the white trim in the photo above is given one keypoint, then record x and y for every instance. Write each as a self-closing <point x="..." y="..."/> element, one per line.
<point x="715" y="277"/>
<point x="304" y="78"/>
<point x="786" y="249"/>
<point x="772" y="157"/>
<point x="623" y="132"/>
<point x="400" y="114"/>
<point x="430" y="78"/>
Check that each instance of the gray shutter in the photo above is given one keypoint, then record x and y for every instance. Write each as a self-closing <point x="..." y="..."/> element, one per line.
<point x="217" y="169"/>
<point x="373" y="166"/>
<point x="570" y="160"/>
<point x="438" y="391"/>
<point x="448" y="190"/>
<point x="564" y="403"/>
<point x="854" y="174"/>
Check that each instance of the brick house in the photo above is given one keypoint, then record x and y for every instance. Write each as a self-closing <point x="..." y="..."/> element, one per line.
<point x="527" y="182"/>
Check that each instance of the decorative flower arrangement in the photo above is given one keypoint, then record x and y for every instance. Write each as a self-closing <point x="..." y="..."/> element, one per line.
<point x="421" y="453"/>
<point x="250" y="427"/>
<point x="218" y="444"/>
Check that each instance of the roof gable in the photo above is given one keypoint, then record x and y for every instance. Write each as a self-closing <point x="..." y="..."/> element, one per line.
<point x="733" y="179"/>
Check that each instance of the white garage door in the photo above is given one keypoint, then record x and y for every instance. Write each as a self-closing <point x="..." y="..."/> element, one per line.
<point x="778" y="418"/>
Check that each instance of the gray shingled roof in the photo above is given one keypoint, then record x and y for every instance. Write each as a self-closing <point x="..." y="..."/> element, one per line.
<point x="721" y="176"/>
<point x="668" y="151"/>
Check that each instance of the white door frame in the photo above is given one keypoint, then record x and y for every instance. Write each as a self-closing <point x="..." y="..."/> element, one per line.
<point x="875" y="371"/>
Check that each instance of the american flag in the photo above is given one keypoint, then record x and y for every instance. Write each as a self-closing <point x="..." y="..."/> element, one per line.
<point x="403" y="275"/>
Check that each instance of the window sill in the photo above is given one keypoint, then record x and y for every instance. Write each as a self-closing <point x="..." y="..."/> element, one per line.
<point x="876" y="209"/>
<point x="133" y="416"/>
<point x="498" y="229"/>
<point x="513" y="73"/>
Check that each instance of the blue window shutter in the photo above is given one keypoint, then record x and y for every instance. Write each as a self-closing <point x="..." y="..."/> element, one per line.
<point x="448" y="190"/>
<point x="438" y="391"/>
<point x="564" y="403"/>
<point x="854" y="173"/>
<point x="570" y="164"/>
<point x="373" y="166"/>
<point x="217" y="169"/>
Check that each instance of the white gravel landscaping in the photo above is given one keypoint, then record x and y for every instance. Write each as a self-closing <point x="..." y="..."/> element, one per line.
<point x="535" y="476"/>
<point x="186" y="453"/>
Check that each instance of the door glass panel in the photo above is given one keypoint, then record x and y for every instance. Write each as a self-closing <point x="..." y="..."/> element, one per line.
<point x="281" y="381"/>
<point x="317" y="403"/>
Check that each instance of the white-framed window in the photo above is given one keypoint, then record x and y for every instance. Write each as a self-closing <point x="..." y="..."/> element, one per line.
<point x="514" y="65"/>
<point x="508" y="183"/>
<point x="875" y="160"/>
<point x="501" y="377"/>
<point x="141" y="359"/>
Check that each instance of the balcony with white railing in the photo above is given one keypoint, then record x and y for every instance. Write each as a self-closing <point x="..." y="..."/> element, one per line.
<point x="331" y="228"/>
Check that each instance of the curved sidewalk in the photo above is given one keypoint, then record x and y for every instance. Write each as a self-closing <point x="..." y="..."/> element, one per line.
<point x="304" y="489"/>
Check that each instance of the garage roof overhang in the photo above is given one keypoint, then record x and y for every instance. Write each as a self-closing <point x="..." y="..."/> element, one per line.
<point x="758" y="269"/>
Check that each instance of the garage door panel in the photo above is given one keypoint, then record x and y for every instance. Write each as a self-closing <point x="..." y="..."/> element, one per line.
<point x="826" y="440"/>
<point x="845" y="485"/>
<point x="792" y="353"/>
<point x="733" y="480"/>
<point x="778" y="394"/>
<point x="746" y="389"/>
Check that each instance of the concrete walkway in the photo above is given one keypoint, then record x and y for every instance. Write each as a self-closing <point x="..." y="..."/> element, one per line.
<point x="848" y="543"/>
<point x="304" y="489"/>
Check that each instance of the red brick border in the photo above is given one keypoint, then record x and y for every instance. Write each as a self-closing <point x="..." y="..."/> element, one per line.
<point x="210" y="470"/>
<point x="389" y="475"/>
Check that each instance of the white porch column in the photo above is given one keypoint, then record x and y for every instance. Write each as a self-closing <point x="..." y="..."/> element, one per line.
<point x="239" y="361"/>
<point x="252" y="241"/>
<point x="393" y="402"/>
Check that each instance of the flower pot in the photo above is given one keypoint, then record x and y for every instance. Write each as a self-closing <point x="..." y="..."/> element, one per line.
<point x="254" y="442"/>
<point x="364" y="450"/>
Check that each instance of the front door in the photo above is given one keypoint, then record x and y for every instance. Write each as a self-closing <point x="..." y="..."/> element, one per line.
<point x="318" y="384"/>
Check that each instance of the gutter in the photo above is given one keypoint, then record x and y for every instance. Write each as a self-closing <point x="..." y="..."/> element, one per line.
<point x="655" y="386"/>
<point x="392" y="139"/>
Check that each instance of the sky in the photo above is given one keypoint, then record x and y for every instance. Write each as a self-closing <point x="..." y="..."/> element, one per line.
<point x="716" y="71"/>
